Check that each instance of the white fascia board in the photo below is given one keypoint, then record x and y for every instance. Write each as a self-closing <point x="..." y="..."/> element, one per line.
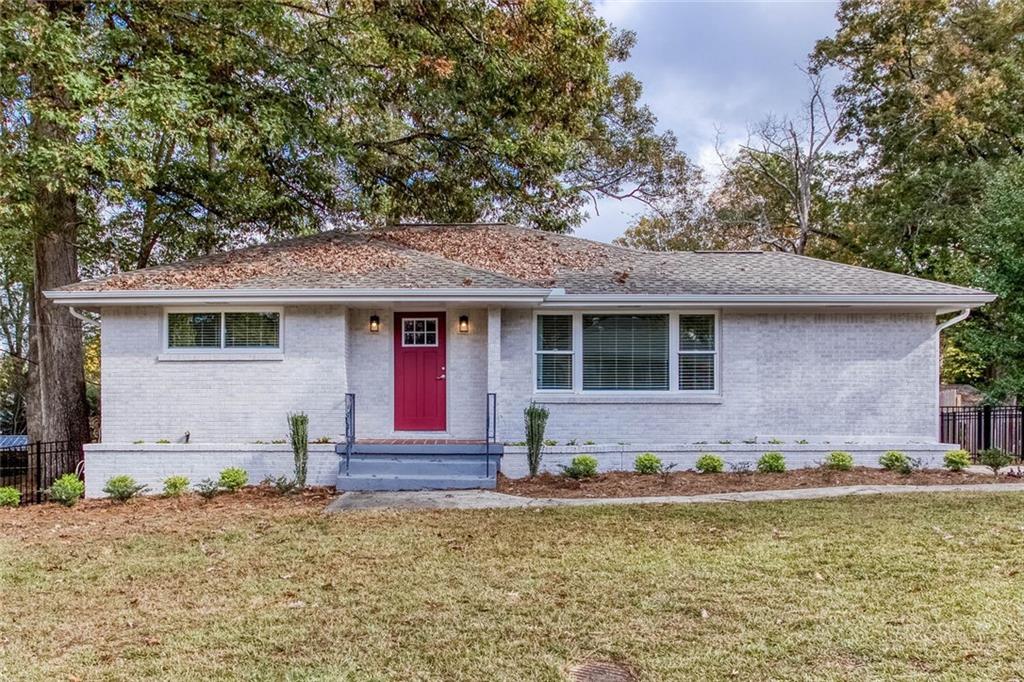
<point x="294" y="296"/>
<point x="957" y="301"/>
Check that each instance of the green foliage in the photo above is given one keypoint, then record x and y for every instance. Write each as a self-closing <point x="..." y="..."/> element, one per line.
<point x="995" y="459"/>
<point x="893" y="460"/>
<point x="9" y="497"/>
<point x="233" y="478"/>
<point x="298" y="431"/>
<point x="839" y="460"/>
<point x="122" y="488"/>
<point x="647" y="463"/>
<point x="175" y="485"/>
<point x="956" y="460"/>
<point x="66" y="490"/>
<point x="282" y="484"/>
<point x="710" y="463"/>
<point x="536" y="418"/>
<point x="582" y="466"/>
<point x="208" y="488"/>
<point x="771" y="463"/>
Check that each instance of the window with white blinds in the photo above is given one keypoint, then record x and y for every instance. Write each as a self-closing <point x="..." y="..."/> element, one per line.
<point x="625" y="353"/>
<point x="232" y="330"/>
<point x="554" y="352"/>
<point x="698" y="353"/>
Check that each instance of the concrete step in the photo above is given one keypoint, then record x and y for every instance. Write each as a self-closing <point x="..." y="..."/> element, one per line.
<point x="426" y="465"/>
<point x="362" y="482"/>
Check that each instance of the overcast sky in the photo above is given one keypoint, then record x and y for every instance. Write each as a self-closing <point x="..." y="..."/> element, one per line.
<point x="708" y="64"/>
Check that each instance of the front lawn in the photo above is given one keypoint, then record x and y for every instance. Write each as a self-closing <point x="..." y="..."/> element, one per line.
<point x="248" y="586"/>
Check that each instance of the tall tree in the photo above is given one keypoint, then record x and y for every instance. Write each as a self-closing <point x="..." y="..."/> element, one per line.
<point x="136" y="131"/>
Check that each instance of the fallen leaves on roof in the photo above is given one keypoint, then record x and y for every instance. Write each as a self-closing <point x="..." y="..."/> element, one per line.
<point x="225" y="270"/>
<point x="532" y="256"/>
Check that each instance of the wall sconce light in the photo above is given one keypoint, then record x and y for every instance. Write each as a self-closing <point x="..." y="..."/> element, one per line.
<point x="374" y="324"/>
<point x="463" y="324"/>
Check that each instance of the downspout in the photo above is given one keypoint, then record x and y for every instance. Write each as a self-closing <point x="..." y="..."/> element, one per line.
<point x="80" y="316"/>
<point x="959" y="317"/>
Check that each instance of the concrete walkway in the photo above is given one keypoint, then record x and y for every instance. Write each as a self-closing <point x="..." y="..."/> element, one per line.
<point x="485" y="499"/>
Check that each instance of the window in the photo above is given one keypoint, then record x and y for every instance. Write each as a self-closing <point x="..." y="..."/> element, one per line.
<point x="419" y="331"/>
<point x="625" y="353"/>
<point x="697" y="353"/>
<point x="554" y="352"/>
<point x="224" y="330"/>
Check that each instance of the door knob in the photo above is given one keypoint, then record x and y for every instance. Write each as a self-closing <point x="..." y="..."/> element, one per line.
<point x="440" y="377"/>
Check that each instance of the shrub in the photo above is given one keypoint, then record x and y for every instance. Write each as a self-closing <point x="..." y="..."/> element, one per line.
<point x="9" y="497"/>
<point x="67" y="490"/>
<point x="123" y="488"/>
<point x="894" y="460"/>
<point x="647" y="463"/>
<point x="536" y="421"/>
<point x="956" y="460"/>
<point x="298" y="431"/>
<point x="583" y="466"/>
<point x="741" y="468"/>
<point x="282" y="484"/>
<point x="175" y="485"/>
<point x="208" y="488"/>
<point x="839" y="460"/>
<point x="995" y="459"/>
<point x="771" y="463"/>
<point x="233" y="478"/>
<point x="710" y="463"/>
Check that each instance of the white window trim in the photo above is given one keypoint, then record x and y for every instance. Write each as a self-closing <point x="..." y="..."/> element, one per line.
<point x="437" y="332"/>
<point x="537" y="352"/>
<point x="673" y="347"/>
<point x="223" y="351"/>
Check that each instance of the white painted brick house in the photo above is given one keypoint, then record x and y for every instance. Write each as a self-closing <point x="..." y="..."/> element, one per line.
<point x="676" y="353"/>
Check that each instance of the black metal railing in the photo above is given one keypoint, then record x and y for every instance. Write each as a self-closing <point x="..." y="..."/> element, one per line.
<point x="982" y="427"/>
<point x="33" y="467"/>
<point x="350" y="427"/>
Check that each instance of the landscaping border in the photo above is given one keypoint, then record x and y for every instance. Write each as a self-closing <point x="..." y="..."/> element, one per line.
<point x="620" y="456"/>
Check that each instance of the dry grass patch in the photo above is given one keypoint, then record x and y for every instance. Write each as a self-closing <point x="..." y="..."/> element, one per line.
<point x="258" y="587"/>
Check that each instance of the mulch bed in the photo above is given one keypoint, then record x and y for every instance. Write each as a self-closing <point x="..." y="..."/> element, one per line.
<point x="629" y="484"/>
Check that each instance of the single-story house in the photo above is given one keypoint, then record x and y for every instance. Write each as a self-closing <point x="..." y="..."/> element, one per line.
<point x="415" y="349"/>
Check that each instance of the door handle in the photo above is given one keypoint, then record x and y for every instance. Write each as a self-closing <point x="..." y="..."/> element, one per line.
<point x="441" y="377"/>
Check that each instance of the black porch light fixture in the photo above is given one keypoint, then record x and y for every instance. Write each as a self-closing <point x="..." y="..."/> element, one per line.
<point x="463" y="324"/>
<point x="374" y="324"/>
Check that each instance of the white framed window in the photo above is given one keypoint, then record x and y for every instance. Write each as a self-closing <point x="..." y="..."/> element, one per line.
<point x="223" y="330"/>
<point x="698" y="353"/>
<point x="618" y="352"/>
<point x="554" y="353"/>
<point x="419" y="331"/>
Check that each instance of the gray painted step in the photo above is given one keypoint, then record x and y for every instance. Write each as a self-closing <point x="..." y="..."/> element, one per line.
<point x="430" y="465"/>
<point x="414" y="482"/>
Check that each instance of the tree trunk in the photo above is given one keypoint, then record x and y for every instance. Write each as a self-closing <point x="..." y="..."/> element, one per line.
<point x="57" y="409"/>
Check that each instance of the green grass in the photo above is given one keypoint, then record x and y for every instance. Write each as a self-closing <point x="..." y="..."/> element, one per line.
<point x="903" y="587"/>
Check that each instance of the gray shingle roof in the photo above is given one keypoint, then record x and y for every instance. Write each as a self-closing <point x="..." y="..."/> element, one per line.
<point x="491" y="256"/>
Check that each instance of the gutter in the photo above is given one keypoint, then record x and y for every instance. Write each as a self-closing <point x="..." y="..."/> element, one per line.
<point x="960" y="317"/>
<point x="84" y="318"/>
<point x="955" y="301"/>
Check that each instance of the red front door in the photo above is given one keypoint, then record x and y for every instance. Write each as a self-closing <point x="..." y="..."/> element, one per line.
<point x="419" y="372"/>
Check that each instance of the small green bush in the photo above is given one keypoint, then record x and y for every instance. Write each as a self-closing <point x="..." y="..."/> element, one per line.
<point x="208" y="488"/>
<point x="67" y="490"/>
<point x="893" y="460"/>
<point x="9" y="497"/>
<point x="233" y="478"/>
<point x="771" y="463"/>
<point x="839" y="460"/>
<point x="995" y="459"/>
<point x="710" y="463"/>
<point x="282" y="484"/>
<point x="175" y="485"/>
<point x="956" y="460"/>
<point x="536" y="418"/>
<point x="647" y="463"/>
<point x="583" y="466"/>
<point x="122" y="488"/>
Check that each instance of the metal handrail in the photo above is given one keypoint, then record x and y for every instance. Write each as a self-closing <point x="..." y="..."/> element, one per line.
<point x="350" y="427"/>
<point x="491" y="428"/>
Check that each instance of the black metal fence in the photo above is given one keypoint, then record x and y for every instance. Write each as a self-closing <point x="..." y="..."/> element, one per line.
<point x="985" y="426"/>
<point x="33" y="467"/>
